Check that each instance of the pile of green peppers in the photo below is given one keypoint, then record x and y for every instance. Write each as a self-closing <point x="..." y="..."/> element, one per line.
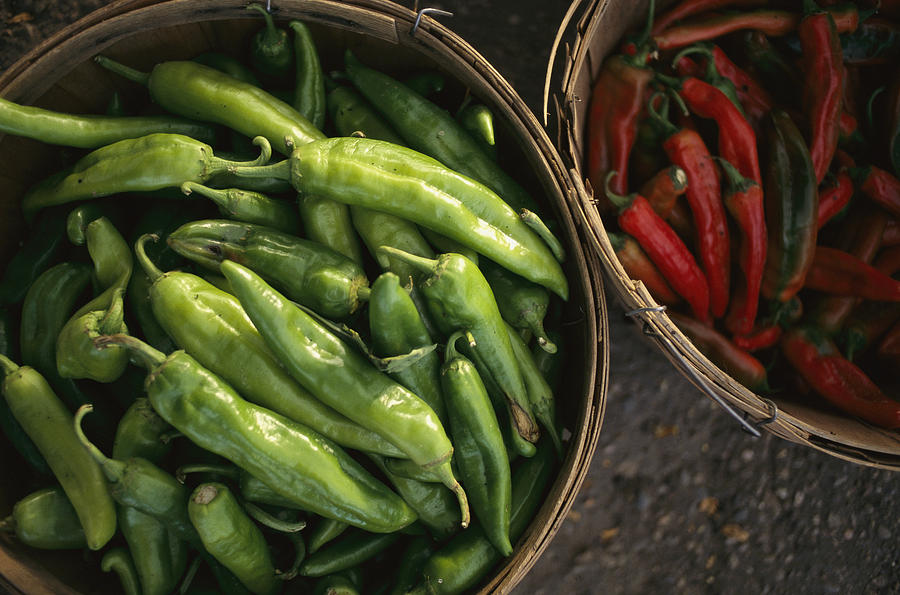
<point x="231" y="373"/>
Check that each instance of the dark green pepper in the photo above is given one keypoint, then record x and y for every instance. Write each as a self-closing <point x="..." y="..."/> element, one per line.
<point x="323" y="532"/>
<point x="522" y="303"/>
<point x="351" y="113"/>
<point x="309" y="89"/>
<point x="159" y="555"/>
<point x="345" y="379"/>
<point x="250" y="207"/>
<point x="229" y="65"/>
<point x="37" y="253"/>
<point x="270" y="49"/>
<point x="49" y="424"/>
<point x="415" y="554"/>
<point x="232" y="538"/>
<point x="118" y="560"/>
<point x="307" y="272"/>
<point x="353" y="548"/>
<point x="292" y="459"/>
<point x="45" y="519"/>
<point x="335" y="584"/>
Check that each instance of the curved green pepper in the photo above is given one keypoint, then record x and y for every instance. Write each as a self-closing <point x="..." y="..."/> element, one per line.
<point x="250" y="206"/>
<point x="478" y="120"/>
<point x="159" y="555"/>
<point x="344" y="379"/>
<point x="270" y="49"/>
<point x="118" y="560"/>
<point x="309" y="273"/>
<point x="480" y="451"/>
<point x="352" y="549"/>
<point x="45" y="519"/>
<point x="76" y="356"/>
<point x="49" y="424"/>
<point x="231" y="537"/>
<point x="323" y="532"/>
<point x="309" y="89"/>
<point x="212" y="327"/>
<point x="293" y="460"/>
<point x="521" y="303"/>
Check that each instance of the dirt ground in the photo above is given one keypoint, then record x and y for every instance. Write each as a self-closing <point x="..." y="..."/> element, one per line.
<point x="678" y="499"/>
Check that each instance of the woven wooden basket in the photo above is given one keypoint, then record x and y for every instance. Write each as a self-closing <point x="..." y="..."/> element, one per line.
<point x="590" y="31"/>
<point x="59" y="74"/>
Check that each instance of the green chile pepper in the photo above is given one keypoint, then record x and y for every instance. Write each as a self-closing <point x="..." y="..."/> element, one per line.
<point x="229" y="65"/>
<point x="112" y="260"/>
<point x="328" y="222"/>
<point x="45" y="519"/>
<point x="445" y="244"/>
<point x="478" y="120"/>
<point x="416" y="553"/>
<point x="159" y="555"/>
<point x="381" y="229"/>
<point x="540" y="394"/>
<point x="212" y="327"/>
<point x="91" y="131"/>
<point x="402" y="182"/>
<point x="309" y="89"/>
<point x="459" y="298"/>
<point x="353" y="548"/>
<point x="49" y="424"/>
<point x="293" y="460"/>
<point x="791" y="203"/>
<point x="140" y="434"/>
<point x="426" y="83"/>
<point x="142" y="164"/>
<point x="309" y="273"/>
<point x="39" y="250"/>
<point x="232" y="538"/>
<point x="250" y="207"/>
<point x="76" y="356"/>
<point x="351" y="113"/>
<point x="270" y="49"/>
<point x="196" y="91"/>
<point x="118" y="560"/>
<point x="335" y="584"/>
<point x="522" y="304"/>
<point x="138" y="483"/>
<point x="323" y="532"/>
<point x="345" y="379"/>
<point x="466" y="559"/>
<point x="479" y="448"/>
<point x="431" y="130"/>
<point x="397" y="328"/>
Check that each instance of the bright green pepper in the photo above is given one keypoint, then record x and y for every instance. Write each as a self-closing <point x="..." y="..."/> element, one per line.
<point x="478" y="120"/>
<point x="351" y="113"/>
<point x="45" y="519"/>
<point x="309" y="89"/>
<point x="146" y="163"/>
<point x="480" y="451"/>
<point x="270" y="49"/>
<point x="112" y="263"/>
<point x="159" y="555"/>
<point x="202" y="93"/>
<point x="309" y="273"/>
<point x="212" y="327"/>
<point x="293" y="460"/>
<point x="328" y="222"/>
<point x="250" y="207"/>
<point x="49" y="424"/>
<point x="231" y="537"/>
<point x="118" y="560"/>
<point x="344" y="379"/>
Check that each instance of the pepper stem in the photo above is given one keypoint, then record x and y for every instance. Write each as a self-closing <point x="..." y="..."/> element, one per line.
<point x="146" y="356"/>
<point x="663" y="120"/>
<point x="7" y="365"/>
<point x="223" y="470"/>
<point x="537" y="225"/>
<point x="622" y="202"/>
<point x="270" y="23"/>
<point x="363" y="293"/>
<point x="113" y="470"/>
<point x="150" y="269"/>
<point x="711" y="70"/>
<point x="217" y="164"/>
<point x="115" y="315"/>
<point x="450" y="351"/>
<point x="271" y="521"/>
<point x="426" y="265"/>
<point x="737" y="183"/>
<point x="279" y="171"/>
<point x="141" y="78"/>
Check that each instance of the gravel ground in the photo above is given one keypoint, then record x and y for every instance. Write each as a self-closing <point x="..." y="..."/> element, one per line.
<point x="678" y="499"/>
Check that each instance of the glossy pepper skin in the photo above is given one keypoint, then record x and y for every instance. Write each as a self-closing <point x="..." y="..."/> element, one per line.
<point x="293" y="460"/>
<point x="818" y="360"/>
<point x="232" y="538"/>
<point x="309" y="273"/>
<point x="838" y="272"/>
<point x="202" y="93"/>
<point x="212" y="327"/>
<point x="112" y="261"/>
<point x="480" y="452"/>
<point x="50" y="425"/>
<point x="402" y="182"/>
<point x="309" y="86"/>
<point x="639" y="267"/>
<point x="460" y="298"/>
<point x="76" y="356"/>
<point x="249" y="206"/>
<point x="431" y="130"/>
<point x="328" y="222"/>
<point x="822" y="64"/>
<point x="791" y="206"/>
<point x="521" y="303"/>
<point x="45" y="519"/>
<point x="146" y="163"/>
<point x="344" y="379"/>
<point x="664" y="188"/>
<point x="92" y="131"/>
<point x="397" y="329"/>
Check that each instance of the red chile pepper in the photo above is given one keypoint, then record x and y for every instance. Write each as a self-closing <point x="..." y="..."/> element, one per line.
<point x="817" y="359"/>
<point x="869" y="320"/>
<point x="757" y="101"/>
<point x="888" y="260"/>
<point x="889" y="346"/>
<point x="709" y="72"/>
<point x="771" y="22"/>
<point x="744" y="200"/>
<point x="685" y="148"/>
<point x="840" y="273"/>
<point x="823" y="85"/>
<point x="688" y="8"/>
<point x="663" y="189"/>
<point x="891" y="235"/>
<point x="833" y="199"/>
<point x="736" y="362"/>
<point x="665" y="249"/>
<point x="680" y="220"/>
<point x="759" y="339"/>
<point x="847" y="125"/>
<point x="880" y="186"/>
<point x="617" y="101"/>
<point x="639" y="266"/>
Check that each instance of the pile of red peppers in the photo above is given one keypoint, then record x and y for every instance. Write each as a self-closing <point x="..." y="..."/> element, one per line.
<point x="746" y="160"/>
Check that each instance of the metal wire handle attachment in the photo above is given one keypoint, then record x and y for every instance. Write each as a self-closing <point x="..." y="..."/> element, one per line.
<point x="424" y="11"/>
<point x="747" y="426"/>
